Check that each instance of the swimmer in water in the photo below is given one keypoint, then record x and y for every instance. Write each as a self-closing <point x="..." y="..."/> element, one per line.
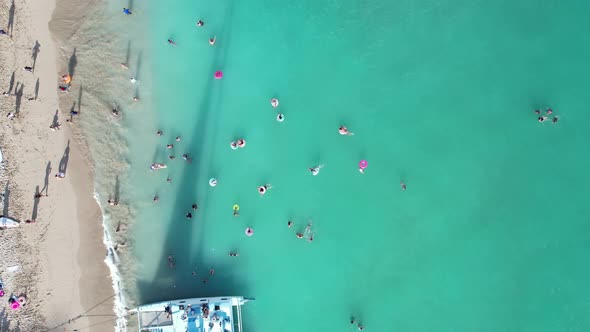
<point x="200" y="23"/>
<point x="537" y="112"/>
<point x="194" y="206"/>
<point x="315" y="170"/>
<point x="236" y="211"/>
<point x="280" y="117"/>
<point x="169" y="179"/>
<point x="549" y="111"/>
<point x="262" y="189"/>
<point x="156" y="199"/>
<point x="171" y="157"/>
<point x="233" y="145"/>
<point x="274" y="102"/>
<point x="159" y="133"/>
<point x="115" y="111"/>
<point x="171" y="262"/>
<point x="555" y="119"/>
<point x="241" y="143"/>
<point x="289" y="224"/>
<point x="171" y="42"/>
<point x="189" y="215"/>
<point x="169" y="146"/>
<point x="402" y="185"/>
<point x="132" y="80"/>
<point x="127" y="11"/>
<point x="344" y="131"/>
<point x="308" y="230"/>
<point x="178" y="138"/>
<point x="542" y="118"/>
<point x="299" y="235"/>
<point x="212" y="40"/>
<point x="136" y="98"/>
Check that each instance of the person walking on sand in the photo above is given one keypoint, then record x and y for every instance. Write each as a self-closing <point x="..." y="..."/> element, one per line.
<point x="60" y="175"/>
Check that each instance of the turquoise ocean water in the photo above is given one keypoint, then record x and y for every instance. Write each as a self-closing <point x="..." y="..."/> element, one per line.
<point x="490" y="234"/>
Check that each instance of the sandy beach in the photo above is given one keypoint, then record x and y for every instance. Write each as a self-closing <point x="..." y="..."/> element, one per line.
<point x="56" y="262"/>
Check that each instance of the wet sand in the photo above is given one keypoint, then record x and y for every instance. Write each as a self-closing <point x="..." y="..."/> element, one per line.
<point x="59" y="258"/>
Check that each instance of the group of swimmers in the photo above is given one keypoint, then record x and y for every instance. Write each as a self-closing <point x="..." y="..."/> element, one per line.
<point x="543" y="118"/>
<point x="307" y="233"/>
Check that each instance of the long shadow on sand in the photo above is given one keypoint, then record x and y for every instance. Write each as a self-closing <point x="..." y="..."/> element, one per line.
<point x="179" y="241"/>
<point x="36" y="50"/>
<point x="37" y="89"/>
<point x="46" y="180"/>
<point x="11" y="83"/>
<point x="19" y="97"/>
<point x="10" y="25"/>
<point x="6" y="199"/>
<point x="36" y="200"/>
<point x="63" y="163"/>
<point x="72" y="63"/>
<point x="80" y="99"/>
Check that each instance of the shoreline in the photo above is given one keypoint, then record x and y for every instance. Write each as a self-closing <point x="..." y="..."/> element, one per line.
<point x="61" y="256"/>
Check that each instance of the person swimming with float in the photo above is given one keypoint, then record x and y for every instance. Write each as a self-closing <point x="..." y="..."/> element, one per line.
<point x="241" y="143"/>
<point x="263" y="189"/>
<point x="187" y="158"/>
<point x="344" y="131"/>
<point x="315" y="170"/>
<point x="274" y="102"/>
<point x="236" y="209"/>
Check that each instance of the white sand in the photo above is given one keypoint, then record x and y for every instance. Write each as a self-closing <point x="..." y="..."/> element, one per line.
<point x="60" y="257"/>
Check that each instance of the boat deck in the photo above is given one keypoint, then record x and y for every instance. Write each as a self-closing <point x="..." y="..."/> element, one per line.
<point x="190" y="315"/>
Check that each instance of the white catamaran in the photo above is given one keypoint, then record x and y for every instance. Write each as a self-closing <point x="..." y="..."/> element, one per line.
<point x="207" y="314"/>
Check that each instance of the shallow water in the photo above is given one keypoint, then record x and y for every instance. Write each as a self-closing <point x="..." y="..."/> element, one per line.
<point x="489" y="235"/>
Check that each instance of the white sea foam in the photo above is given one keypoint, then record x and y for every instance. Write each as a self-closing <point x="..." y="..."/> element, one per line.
<point x="111" y="260"/>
